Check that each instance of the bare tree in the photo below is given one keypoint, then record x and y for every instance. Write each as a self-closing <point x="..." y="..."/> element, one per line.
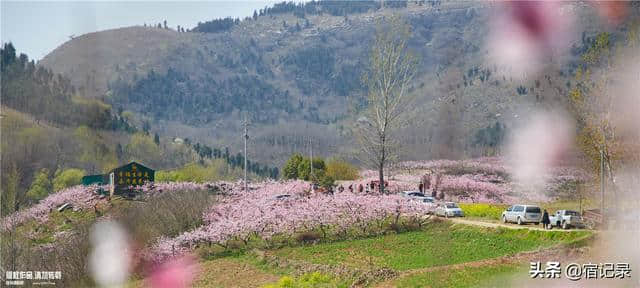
<point x="391" y="70"/>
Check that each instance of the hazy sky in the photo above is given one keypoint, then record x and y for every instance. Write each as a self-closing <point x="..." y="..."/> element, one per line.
<point x="36" y="28"/>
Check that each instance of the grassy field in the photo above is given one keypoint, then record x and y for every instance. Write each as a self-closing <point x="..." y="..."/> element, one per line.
<point x="500" y="275"/>
<point x="421" y="257"/>
<point x="440" y="243"/>
<point x="233" y="272"/>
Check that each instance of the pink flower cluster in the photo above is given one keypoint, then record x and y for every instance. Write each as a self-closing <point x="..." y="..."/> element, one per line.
<point x="486" y="165"/>
<point x="82" y="197"/>
<point x="259" y="213"/>
<point x="475" y="188"/>
<point x="484" y="179"/>
<point x="85" y="197"/>
<point x="156" y="188"/>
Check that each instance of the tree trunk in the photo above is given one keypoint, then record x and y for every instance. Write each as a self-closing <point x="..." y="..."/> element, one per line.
<point x="382" y="160"/>
<point x="381" y="176"/>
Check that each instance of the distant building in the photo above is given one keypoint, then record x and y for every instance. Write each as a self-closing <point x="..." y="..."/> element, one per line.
<point x="98" y="179"/>
<point x="121" y="180"/>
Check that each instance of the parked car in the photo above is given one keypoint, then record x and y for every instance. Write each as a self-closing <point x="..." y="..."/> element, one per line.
<point x="420" y="197"/>
<point x="417" y="195"/>
<point x="566" y="219"/>
<point x="429" y="200"/>
<point x="448" y="209"/>
<point x="430" y="203"/>
<point x="282" y="196"/>
<point x="522" y="214"/>
<point x="413" y="194"/>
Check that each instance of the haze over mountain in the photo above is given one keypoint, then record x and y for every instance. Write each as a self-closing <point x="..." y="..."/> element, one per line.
<point x="295" y="70"/>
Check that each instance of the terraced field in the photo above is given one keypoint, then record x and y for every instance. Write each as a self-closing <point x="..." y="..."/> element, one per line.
<point x="462" y="256"/>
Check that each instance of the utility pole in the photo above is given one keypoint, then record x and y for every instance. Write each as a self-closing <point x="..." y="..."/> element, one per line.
<point x="245" y="123"/>
<point x="602" y="183"/>
<point x="311" y="158"/>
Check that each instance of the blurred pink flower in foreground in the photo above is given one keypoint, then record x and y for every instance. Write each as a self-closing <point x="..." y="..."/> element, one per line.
<point x="175" y="273"/>
<point x="524" y="33"/>
<point x="110" y="257"/>
<point x="539" y="146"/>
<point x="625" y="114"/>
<point x="614" y="11"/>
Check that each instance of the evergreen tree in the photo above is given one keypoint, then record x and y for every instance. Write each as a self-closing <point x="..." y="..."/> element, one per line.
<point x="41" y="185"/>
<point x="290" y="169"/>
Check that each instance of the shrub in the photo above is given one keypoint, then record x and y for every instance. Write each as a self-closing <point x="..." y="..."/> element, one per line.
<point x="169" y="214"/>
<point x="326" y="182"/>
<point x="304" y="168"/>
<point x="299" y="167"/>
<point x="67" y="178"/>
<point x="308" y="280"/>
<point x="341" y="170"/>
<point x="290" y="169"/>
<point x="68" y="254"/>
<point x="307" y="237"/>
<point x="41" y="185"/>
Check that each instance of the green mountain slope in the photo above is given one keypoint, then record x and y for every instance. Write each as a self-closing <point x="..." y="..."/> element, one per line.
<point x="296" y="72"/>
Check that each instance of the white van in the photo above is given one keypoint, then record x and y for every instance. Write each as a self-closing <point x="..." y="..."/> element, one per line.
<point x="522" y="214"/>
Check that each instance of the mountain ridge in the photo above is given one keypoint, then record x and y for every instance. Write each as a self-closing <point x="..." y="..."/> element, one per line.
<point x="290" y="72"/>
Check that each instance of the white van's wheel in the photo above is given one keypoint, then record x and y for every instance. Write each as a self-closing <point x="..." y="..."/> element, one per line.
<point x="519" y="221"/>
<point x="565" y="226"/>
<point x="504" y="219"/>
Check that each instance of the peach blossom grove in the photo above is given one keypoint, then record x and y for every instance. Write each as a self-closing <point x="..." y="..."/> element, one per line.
<point x="258" y="213"/>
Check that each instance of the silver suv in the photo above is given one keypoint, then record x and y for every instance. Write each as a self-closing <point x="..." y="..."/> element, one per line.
<point x="522" y="214"/>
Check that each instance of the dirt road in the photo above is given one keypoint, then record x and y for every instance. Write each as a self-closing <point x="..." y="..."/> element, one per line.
<point x="508" y="226"/>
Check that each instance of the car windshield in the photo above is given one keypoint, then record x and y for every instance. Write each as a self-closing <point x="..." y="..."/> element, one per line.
<point x="533" y="209"/>
<point x="427" y="200"/>
<point x="451" y="205"/>
<point x="416" y="194"/>
<point x="572" y="213"/>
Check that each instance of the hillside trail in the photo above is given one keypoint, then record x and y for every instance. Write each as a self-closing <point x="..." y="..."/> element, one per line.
<point x="509" y="226"/>
<point x="542" y="255"/>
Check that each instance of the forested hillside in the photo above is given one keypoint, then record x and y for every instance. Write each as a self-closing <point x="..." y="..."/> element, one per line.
<point x="295" y="69"/>
<point x="51" y="97"/>
<point x="52" y="135"/>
